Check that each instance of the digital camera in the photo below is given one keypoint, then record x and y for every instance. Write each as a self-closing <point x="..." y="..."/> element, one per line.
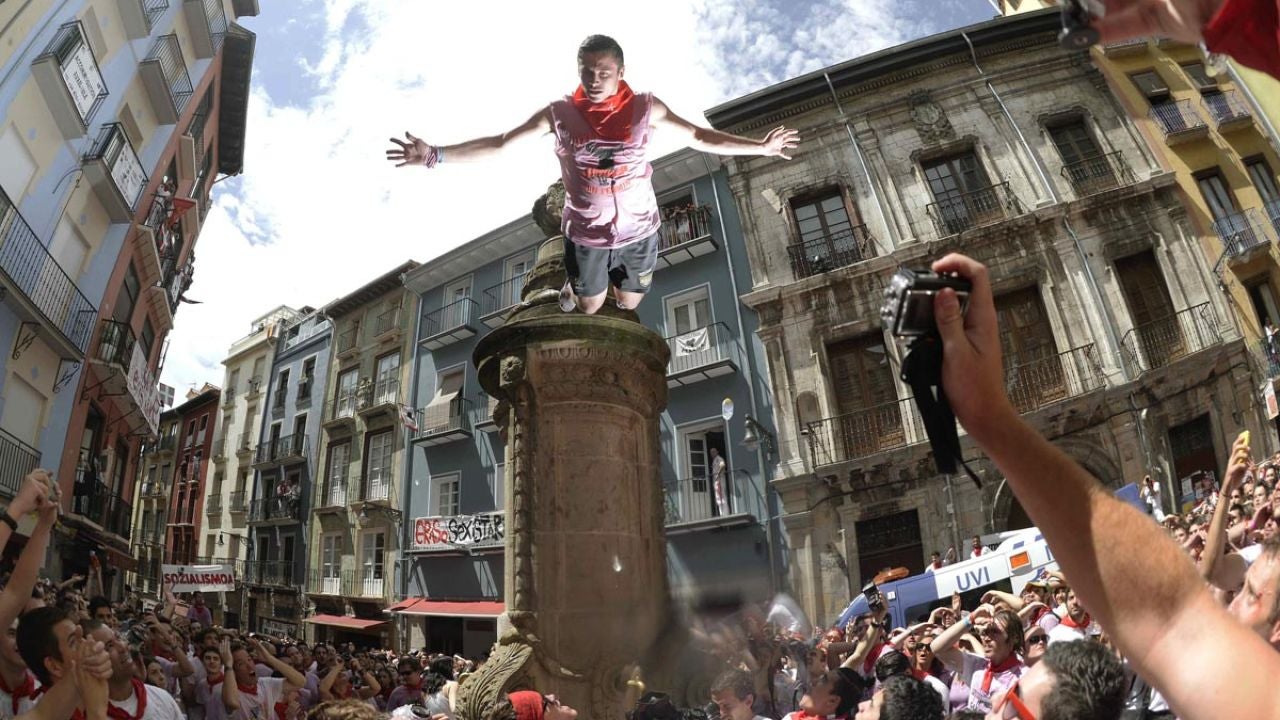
<point x="1077" y="31"/>
<point x="908" y="301"/>
<point x="875" y="601"/>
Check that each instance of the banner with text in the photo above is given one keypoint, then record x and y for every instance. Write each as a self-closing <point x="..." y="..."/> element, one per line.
<point x="198" y="578"/>
<point x="442" y="533"/>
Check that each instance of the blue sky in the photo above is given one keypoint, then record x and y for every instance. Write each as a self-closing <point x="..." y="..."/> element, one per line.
<point x="318" y="211"/>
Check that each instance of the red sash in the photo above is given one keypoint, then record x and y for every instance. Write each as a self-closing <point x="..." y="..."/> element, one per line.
<point x="139" y="694"/>
<point x="26" y="690"/>
<point x="611" y="117"/>
<point x="1066" y="620"/>
<point x="992" y="670"/>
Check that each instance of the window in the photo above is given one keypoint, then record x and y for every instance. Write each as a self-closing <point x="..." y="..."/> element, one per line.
<point x="148" y="338"/>
<point x="387" y="388"/>
<point x="1199" y="77"/>
<point x="1150" y="308"/>
<point x="516" y="271"/>
<point x="497" y="485"/>
<point x="130" y="289"/>
<point x="1033" y="371"/>
<point x="1191" y="445"/>
<point x="693" y="340"/>
<point x="282" y="388"/>
<point x="1264" y="302"/>
<point x="304" y="382"/>
<point x="204" y="425"/>
<point x="330" y="556"/>
<point x="443" y="412"/>
<point x="345" y="399"/>
<point x="286" y="551"/>
<point x="234" y="381"/>
<point x="963" y="196"/>
<point x="827" y="238"/>
<point x="299" y="434"/>
<point x="339" y="461"/>
<point x="448" y="495"/>
<point x="1264" y="180"/>
<point x="870" y="415"/>
<point x="210" y="545"/>
<point x="688" y="312"/>
<point x="378" y="466"/>
<point x="1152" y="86"/>
<point x="373" y="550"/>
<point x="1216" y="194"/>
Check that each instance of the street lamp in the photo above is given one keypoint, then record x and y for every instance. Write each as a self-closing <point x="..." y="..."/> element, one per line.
<point x="393" y="514"/>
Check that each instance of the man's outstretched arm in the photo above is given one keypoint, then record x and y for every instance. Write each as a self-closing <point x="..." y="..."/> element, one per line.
<point x="414" y="151"/>
<point x="1128" y="573"/>
<point x="779" y="142"/>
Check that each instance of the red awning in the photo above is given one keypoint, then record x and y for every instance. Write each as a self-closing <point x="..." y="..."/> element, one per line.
<point x="454" y="608"/>
<point x="343" y="621"/>
<point x="405" y="603"/>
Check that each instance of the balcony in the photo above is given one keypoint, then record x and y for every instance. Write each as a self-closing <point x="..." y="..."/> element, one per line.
<point x="1269" y="354"/>
<point x="485" y="408"/>
<point x="449" y="324"/>
<point x="125" y="374"/>
<point x="273" y="573"/>
<point x="1125" y="48"/>
<point x="340" y="414"/>
<point x="1096" y="174"/>
<point x="500" y="298"/>
<point x="17" y="460"/>
<point x="1159" y="343"/>
<point x="347" y="341"/>
<point x="237" y="502"/>
<point x="1271" y="209"/>
<point x="445" y="422"/>
<point x="139" y="16"/>
<point x="460" y="532"/>
<point x="1243" y="233"/>
<point x="685" y="234"/>
<point x="381" y="398"/>
<point x="373" y="583"/>
<point x="818" y="255"/>
<point x="302" y="397"/>
<point x="115" y="348"/>
<point x="333" y="497"/>
<point x="276" y="509"/>
<point x="39" y="290"/>
<point x="168" y="443"/>
<point x="386" y="327"/>
<point x="331" y="581"/>
<point x="1038" y="383"/>
<point x="164" y="75"/>
<point x="220" y="449"/>
<point x="863" y="433"/>
<point x="68" y="76"/>
<point x="213" y="503"/>
<point x="974" y="209"/>
<point x="254" y="387"/>
<point x="698" y="500"/>
<point x="94" y="502"/>
<point x="151" y="489"/>
<point x="229" y="397"/>
<point x="285" y="450"/>
<point x="114" y="171"/>
<point x="701" y="354"/>
<point x="1179" y="121"/>
<point x="376" y="486"/>
<point x="1228" y="110"/>
<point x="278" y="401"/>
<point x="208" y="22"/>
<point x="244" y="445"/>
<point x="305" y="333"/>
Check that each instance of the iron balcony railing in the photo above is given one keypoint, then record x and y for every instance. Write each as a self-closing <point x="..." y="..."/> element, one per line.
<point x="335" y="489"/>
<point x="347" y="339"/>
<point x="305" y="333"/>
<point x="975" y="208"/>
<point x="280" y="449"/>
<point x="823" y="254"/>
<point x="236" y="501"/>
<point x="115" y="344"/>
<point x="1270" y="353"/>
<point x="451" y="417"/>
<point x="373" y="582"/>
<point x="1035" y="383"/>
<point x="1271" y="209"/>
<point x="1241" y="232"/>
<point x="278" y="401"/>
<point x="1226" y="107"/>
<point x="219" y="447"/>
<point x="93" y="500"/>
<point x="302" y="397"/>
<point x="17" y="460"/>
<point x="114" y="150"/>
<point x="450" y="317"/>
<point x="199" y="121"/>
<point x="700" y="348"/>
<point x="245" y="443"/>
<point x="27" y="267"/>
<point x="1175" y="117"/>
<point x="278" y="573"/>
<point x="168" y="442"/>
<point x="343" y="406"/>
<point x="683" y="224"/>
<point x="866" y="432"/>
<point x="697" y="498"/>
<point x="79" y="69"/>
<point x="213" y="30"/>
<point x="331" y="580"/>
<point x="485" y="405"/>
<point x="274" y="508"/>
<point x="1097" y="173"/>
<point x="387" y="321"/>
<point x="213" y="503"/>
<point x="503" y="295"/>
<point x="151" y="10"/>
<point x="167" y="54"/>
<point x="377" y="484"/>
<point x="385" y="391"/>
<point x="1160" y="342"/>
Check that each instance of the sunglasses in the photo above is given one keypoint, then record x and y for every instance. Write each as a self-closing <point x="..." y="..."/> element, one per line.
<point x="1010" y="705"/>
<point x="1037" y="639"/>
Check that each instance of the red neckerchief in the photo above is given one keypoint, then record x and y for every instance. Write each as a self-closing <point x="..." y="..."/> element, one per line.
<point x="869" y="664"/>
<point x="1039" y="614"/>
<point x="26" y="690"/>
<point x="1066" y="620"/>
<point x="214" y="681"/>
<point x="920" y="674"/>
<point x="139" y="694"/>
<point x="993" y="670"/>
<point x="611" y="117"/>
<point x="281" y="709"/>
<point x="252" y="690"/>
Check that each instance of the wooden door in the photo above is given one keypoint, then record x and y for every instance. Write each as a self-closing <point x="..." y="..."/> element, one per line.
<point x="1159" y="337"/>
<point x="870" y="415"/>
<point x="1034" y="374"/>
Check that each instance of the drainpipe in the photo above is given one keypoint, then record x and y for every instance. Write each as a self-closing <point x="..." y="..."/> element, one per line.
<point x="405" y="520"/>
<point x="866" y="171"/>
<point x="1096" y="292"/>
<point x="761" y="460"/>
<point x="1035" y="158"/>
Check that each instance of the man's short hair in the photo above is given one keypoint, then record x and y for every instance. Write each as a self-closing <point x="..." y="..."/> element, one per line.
<point x="906" y="698"/>
<point x="443" y="666"/>
<point x="1088" y="682"/>
<point x="411" y="663"/>
<point x="36" y="640"/>
<point x="737" y="682"/>
<point x="1012" y="629"/>
<point x="98" y="602"/>
<point x="91" y="624"/>
<point x="890" y="664"/>
<point x="600" y="44"/>
<point x="208" y="650"/>
<point x="846" y="684"/>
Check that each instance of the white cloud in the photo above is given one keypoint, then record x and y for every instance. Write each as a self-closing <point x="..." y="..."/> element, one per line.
<point x="319" y="211"/>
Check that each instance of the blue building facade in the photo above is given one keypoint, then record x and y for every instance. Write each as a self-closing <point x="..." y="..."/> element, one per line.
<point x="718" y="542"/>
<point x="285" y="472"/>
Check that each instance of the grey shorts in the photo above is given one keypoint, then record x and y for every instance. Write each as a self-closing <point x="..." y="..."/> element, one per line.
<point x="629" y="268"/>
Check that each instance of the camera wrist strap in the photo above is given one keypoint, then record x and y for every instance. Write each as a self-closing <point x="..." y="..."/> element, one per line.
<point x="922" y="370"/>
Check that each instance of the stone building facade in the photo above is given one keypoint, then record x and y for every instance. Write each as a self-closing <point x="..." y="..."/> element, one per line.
<point x="992" y="141"/>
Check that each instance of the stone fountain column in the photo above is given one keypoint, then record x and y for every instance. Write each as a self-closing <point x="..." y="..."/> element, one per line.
<point x="586" y="579"/>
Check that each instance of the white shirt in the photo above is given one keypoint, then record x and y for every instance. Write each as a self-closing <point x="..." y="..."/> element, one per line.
<point x="25" y="704"/>
<point x="1250" y="554"/>
<point x="252" y="707"/>
<point x="160" y="705"/>
<point x="943" y="691"/>
<point x="979" y="552"/>
<point x="1065" y="633"/>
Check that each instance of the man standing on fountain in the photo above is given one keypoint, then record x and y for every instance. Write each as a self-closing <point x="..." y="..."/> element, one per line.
<point x="602" y="133"/>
